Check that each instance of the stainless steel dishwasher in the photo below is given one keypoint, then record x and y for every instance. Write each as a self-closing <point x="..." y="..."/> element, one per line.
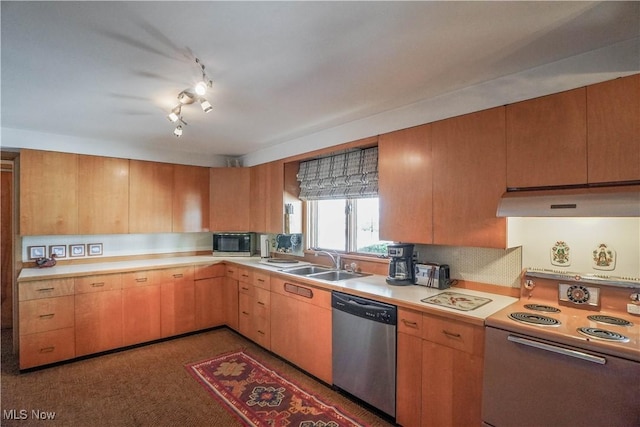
<point x="364" y="350"/>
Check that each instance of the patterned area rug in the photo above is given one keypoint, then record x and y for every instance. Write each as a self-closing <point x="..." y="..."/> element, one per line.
<point x="259" y="396"/>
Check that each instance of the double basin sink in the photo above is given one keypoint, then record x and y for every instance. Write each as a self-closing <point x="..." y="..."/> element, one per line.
<point x="323" y="273"/>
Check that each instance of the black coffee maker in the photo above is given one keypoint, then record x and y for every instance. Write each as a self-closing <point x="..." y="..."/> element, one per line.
<point x="402" y="268"/>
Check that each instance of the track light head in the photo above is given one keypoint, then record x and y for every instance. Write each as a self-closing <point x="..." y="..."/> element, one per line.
<point x="178" y="131"/>
<point x="201" y="88"/>
<point x="174" y="115"/>
<point x="206" y="105"/>
<point x="185" y="97"/>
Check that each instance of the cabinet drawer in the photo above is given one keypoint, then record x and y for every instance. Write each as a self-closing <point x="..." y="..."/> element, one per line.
<point x="246" y="288"/>
<point x="46" y="314"/>
<point x="454" y="334"/>
<point x="410" y="322"/>
<point x="46" y="347"/>
<point x="261" y="279"/>
<point x="231" y="271"/>
<point x="263" y="302"/>
<point x="209" y="271"/>
<point x="136" y="279"/>
<point x="45" y="289"/>
<point x="99" y="283"/>
<point x="177" y="274"/>
<point x="244" y="275"/>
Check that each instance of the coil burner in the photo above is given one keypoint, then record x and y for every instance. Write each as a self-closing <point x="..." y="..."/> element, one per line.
<point x="602" y="334"/>
<point x="609" y="320"/>
<point x="534" y="319"/>
<point x="542" y="307"/>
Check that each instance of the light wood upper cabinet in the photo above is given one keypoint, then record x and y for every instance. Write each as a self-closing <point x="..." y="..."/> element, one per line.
<point x="469" y="177"/>
<point x="150" y="197"/>
<point x="190" y="199"/>
<point x="103" y="194"/>
<point x="546" y="140"/>
<point x="48" y="193"/>
<point x="267" y="197"/>
<point x="613" y="130"/>
<point x="230" y="193"/>
<point x="405" y="185"/>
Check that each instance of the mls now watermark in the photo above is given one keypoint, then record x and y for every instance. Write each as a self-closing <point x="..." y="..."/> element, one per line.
<point x="23" y="414"/>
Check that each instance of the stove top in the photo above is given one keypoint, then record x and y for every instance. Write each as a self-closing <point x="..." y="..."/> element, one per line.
<point x="584" y="315"/>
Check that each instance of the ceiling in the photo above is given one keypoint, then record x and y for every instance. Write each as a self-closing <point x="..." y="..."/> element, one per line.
<point x="109" y="72"/>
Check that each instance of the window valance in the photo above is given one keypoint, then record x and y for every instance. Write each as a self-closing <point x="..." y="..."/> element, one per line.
<point x="348" y="175"/>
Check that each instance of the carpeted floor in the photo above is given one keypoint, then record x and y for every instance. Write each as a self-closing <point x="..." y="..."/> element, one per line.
<point x="144" y="386"/>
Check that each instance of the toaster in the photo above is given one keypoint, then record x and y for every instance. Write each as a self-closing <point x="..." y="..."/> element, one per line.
<point x="433" y="275"/>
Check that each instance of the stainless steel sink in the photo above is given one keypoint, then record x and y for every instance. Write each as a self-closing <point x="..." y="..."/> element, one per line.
<point x="335" y="275"/>
<point x="306" y="270"/>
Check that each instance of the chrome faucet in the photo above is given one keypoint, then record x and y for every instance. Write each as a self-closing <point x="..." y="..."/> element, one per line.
<point x="335" y="257"/>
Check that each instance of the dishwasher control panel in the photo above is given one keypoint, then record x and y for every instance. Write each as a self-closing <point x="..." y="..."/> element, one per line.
<point x="365" y="308"/>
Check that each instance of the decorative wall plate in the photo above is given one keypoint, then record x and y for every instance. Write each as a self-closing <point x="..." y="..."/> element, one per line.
<point x="560" y="254"/>
<point x="604" y="258"/>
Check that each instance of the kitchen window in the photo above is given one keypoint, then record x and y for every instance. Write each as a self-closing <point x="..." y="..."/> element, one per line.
<point x="341" y="191"/>
<point x="346" y="225"/>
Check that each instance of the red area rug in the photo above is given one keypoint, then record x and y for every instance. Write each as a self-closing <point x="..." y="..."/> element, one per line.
<point x="259" y="396"/>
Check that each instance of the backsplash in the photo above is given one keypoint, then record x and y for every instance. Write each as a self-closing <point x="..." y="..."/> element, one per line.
<point x="113" y="245"/>
<point x="568" y="244"/>
<point x="500" y="267"/>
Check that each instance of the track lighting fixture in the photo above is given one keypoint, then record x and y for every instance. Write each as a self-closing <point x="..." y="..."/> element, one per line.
<point x="189" y="96"/>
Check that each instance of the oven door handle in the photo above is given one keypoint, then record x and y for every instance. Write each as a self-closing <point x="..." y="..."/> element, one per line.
<point x="559" y="350"/>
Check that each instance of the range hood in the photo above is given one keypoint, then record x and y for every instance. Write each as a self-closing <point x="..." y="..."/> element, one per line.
<point x="619" y="201"/>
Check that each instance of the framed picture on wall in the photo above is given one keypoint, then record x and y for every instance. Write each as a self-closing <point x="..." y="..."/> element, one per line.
<point x="60" y="251"/>
<point x="94" y="249"/>
<point x="36" y="252"/>
<point x="76" y="250"/>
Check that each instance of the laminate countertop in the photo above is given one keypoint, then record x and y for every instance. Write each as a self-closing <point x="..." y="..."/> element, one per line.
<point x="370" y="286"/>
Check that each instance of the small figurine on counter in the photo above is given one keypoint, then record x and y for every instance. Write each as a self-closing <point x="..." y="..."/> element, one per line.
<point x="46" y="262"/>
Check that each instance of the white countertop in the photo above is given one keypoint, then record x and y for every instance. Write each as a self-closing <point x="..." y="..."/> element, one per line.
<point x="373" y="286"/>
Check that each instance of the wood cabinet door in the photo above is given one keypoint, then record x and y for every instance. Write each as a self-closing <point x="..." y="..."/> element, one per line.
<point x="275" y="198"/>
<point x="140" y="307"/>
<point x="150" y="197"/>
<point x="314" y="334"/>
<point x="48" y="193"/>
<point x="230" y="194"/>
<point x="177" y="301"/>
<point x="98" y="319"/>
<point x="405" y="185"/>
<point x="547" y="140"/>
<point x="613" y="130"/>
<point x="209" y="300"/>
<point x="259" y="176"/>
<point x="409" y="380"/>
<point x="469" y="177"/>
<point x="190" y="199"/>
<point x="103" y="195"/>
<point x="451" y="386"/>
<point x="230" y="302"/>
<point x="284" y="327"/>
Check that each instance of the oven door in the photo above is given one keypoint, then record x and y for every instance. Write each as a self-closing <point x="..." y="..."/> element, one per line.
<point x="533" y="382"/>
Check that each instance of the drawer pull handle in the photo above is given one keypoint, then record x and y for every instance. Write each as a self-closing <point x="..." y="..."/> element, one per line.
<point x="177" y="276"/>
<point x="47" y="349"/>
<point x="410" y="324"/>
<point x="260" y="280"/>
<point x="244" y="289"/>
<point x="45" y="289"/>
<point x="260" y="332"/>
<point x="47" y="316"/>
<point x="244" y="275"/>
<point x="245" y="313"/>
<point x="451" y="334"/>
<point x="97" y="284"/>
<point x="260" y="303"/>
<point x="141" y="279"/>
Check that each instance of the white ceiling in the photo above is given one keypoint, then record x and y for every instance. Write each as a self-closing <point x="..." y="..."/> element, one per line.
<point x="107" y="73"/>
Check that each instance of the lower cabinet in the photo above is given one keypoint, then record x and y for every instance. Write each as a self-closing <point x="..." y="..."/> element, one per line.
<point x="46" y="322"/>
<point x="177" y="301"/>
<point x="301" y="326"/>
<point x="230" y="297"/>
<point x="209" y="287"/>
<point x="98" y="313"/>
<point x="254" y="308"/>
<point x="140" y="307"/>
<point x="439" y="371"/>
